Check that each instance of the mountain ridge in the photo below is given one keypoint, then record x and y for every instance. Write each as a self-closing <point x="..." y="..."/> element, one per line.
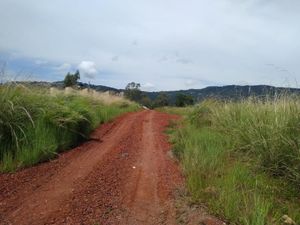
<point x="220" y="92"/>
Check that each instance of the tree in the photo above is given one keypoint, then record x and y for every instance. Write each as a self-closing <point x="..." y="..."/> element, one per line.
<point x="71" y="79"/>
<point x="146" y="101"/>
<point x="133" y="92"/>
<point x="184" y="100"/>
<point x="162" y="99"/>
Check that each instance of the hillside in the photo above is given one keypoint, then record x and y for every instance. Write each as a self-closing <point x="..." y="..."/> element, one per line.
<point x="222" y="92"/>
<point x="228" y="92"/>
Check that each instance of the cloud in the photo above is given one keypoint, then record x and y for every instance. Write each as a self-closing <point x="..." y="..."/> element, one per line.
<point x="225" y="41"/>
<point x="115" y="58"/>
<point x="189" y="83"/>
<point x="63" y="67"/>
<point x="163" y="59"/>
<point x="135" y="42"/>
<point x="184" y="61"/>
<point x="278" y="68"/>
<point x="41" y="62"/>
<point x="88" y="69"/>
<point x="148" y="86"/>
<point x="175" y="57"/>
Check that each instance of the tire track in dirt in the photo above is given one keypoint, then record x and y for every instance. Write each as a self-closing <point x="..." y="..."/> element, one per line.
<point x="126" y="178"/>
<point x="149" y="202"/>
<point x="37" y="205"/>
<point x="94" y="183"/>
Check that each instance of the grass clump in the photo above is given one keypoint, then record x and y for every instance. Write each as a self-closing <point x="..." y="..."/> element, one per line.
<point x="242" y="158"/>
<point x="182" y="111"/>
<point x="35" y="124"/>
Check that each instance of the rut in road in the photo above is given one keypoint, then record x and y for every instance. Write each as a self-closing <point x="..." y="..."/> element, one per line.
<point x="127" y="178"/>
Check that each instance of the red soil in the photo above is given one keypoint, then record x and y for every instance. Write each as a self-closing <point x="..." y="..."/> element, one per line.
<point x="126" y="178"/>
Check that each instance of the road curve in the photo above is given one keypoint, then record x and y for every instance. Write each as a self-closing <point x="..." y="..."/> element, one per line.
<point x="127" y="177"/>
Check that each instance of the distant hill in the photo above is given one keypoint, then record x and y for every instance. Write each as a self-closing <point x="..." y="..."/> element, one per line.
<point x="232" y="92"/>
<point x="60" y="84"/>
<point x="102" y="88"/>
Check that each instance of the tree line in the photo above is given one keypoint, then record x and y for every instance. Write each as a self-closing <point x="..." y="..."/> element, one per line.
<point x="133" y="92"/>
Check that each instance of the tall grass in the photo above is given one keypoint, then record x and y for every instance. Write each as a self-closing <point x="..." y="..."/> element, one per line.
<point x="242" y="158"/>
<point x="36" y="124"/>
<point x="182" y="111"/>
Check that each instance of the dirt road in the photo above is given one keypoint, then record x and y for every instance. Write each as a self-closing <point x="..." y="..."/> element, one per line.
<point x="126" y="178"/>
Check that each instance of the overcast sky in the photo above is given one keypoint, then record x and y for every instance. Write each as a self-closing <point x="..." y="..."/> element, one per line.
<point x="164" y="45"/>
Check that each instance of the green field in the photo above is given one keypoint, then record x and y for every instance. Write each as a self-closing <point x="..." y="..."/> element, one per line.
<point x="37" y="123"/>
<point x="242" y="159"/>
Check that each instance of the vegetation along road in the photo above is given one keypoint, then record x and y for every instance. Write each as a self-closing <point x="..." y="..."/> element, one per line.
<point x="123" y="175"/>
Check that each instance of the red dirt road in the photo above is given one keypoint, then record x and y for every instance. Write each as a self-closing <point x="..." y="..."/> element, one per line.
<point x="126" y="178"/>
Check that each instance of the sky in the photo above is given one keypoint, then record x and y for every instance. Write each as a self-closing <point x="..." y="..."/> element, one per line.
<point x="164" y="45"/>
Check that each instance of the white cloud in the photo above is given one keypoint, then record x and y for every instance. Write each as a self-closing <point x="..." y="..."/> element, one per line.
<point x="88" y="69"/>
<point x="40" y="62"/>
<point x="148" y="86"/>
<point x="189" y="83"/>
<point x="63" y="67"/>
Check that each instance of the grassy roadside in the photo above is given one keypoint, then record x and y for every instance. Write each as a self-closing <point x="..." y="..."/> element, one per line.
<point x="242" y="159"/>
<point x="36" y="124"/>
<point x="181" y="111"/>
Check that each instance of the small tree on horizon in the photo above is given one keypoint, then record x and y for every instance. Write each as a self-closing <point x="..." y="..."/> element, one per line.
<point x="71" y="79"/>
<point x="133" y="92"/>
